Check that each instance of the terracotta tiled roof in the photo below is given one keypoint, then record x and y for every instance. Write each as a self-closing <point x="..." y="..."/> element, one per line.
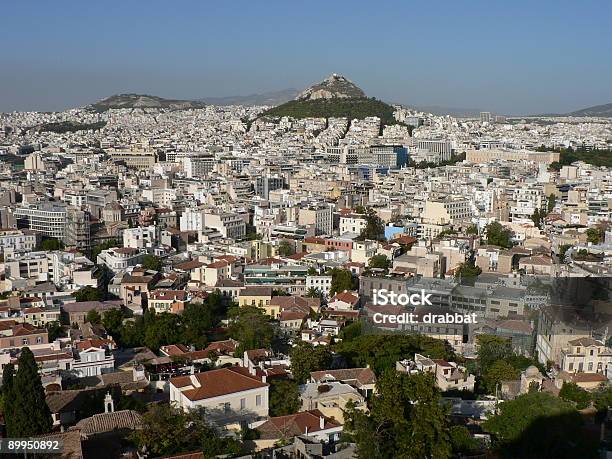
<point x="108" y="422"/>
<point x="295" y="424"/>
<point x="352" y="376"/>
<point x="216" y="383"/>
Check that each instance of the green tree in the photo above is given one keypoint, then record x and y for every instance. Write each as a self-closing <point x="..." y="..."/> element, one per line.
<point x="499" y="371"/>
<point x="563" y="250"/>
<point x="313" y="292"/>
<point x="55" y="330"/>
<point x="152" y="262"/>
<point x="103" y="246"/>
<point x="284" y="397"/>
<point x="162" y="329"/>
<point x="113" y="321"/>
<point x="472" y="230"/>
<point x="132" y="333"/>
<point x="468" y="272"/>
<point x="381" y="352"/>
<point x="286" y="248"/>
<point x="351" y="331"/>
<point x="574" y="393"/>
<point x="306" y="358"/>
<point x="498" y="235"/>
<point x="93" y="317"/>
<point x="8" y="393"/>
<point x="406" y="416"/>
<point x="51" y="244"/>
<point x="492" y="348"/>
<point x="551" y="202"/>
<point x="461" y="440"/>
<point x="379" y="262"/>
<point x="342" y="279"/>
<point x="537" y="425"/>
<point x="537" y="217"/>
<point x="374" y="229"/>
<point x="30" y="414"/>
<point x="595" y="235"/>
<point x="250" y="326"/>
<point x="198" y="320"/>
<point x="88" y="293"/>
<point x="167" y="430"/>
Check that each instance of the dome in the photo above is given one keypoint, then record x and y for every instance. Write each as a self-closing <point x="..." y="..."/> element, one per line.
<point x="532" y="371"/>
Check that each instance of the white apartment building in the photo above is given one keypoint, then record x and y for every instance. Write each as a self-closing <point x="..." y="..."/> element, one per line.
<point x="17" y="240"/>
<point x="321" y="283"/>
<point x="93" y="361"/>
<point x="141" y="237"/>
<point x="192" y="220"/>
<point x="120" y="258"/>
<point x="48" y="219"/>
<point x="354" y="223"/>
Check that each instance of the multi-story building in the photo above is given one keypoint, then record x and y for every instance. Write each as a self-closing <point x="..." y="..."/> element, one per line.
<point x="228" y="224"/>
<point x="233" y="397"/>
<point x="120" y="258"/>
<point x="141" y="237"/>
<point x="77" y="230"/>
<point x="321" y="216"/>
<point x="45" y="218"/>
<point x="586" y="355"/>
<point x="18" y="240"/>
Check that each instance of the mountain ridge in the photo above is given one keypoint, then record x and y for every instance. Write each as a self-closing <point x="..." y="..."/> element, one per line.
<point x="143" y="101"/>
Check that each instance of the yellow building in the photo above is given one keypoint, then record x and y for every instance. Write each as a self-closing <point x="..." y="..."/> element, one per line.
<point x="260" y="297"/>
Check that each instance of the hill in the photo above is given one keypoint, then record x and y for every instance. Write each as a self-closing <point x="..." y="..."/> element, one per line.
<point x="597" y="110"/>
<point x="335" y="96"/>
<point x="333" y="87"/>
<point x="143" y="101"/>
<point x="266" y="98"/>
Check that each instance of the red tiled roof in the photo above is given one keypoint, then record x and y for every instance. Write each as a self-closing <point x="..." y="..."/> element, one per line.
<point x="295" y="424"/>
<point x="215" y="383"/>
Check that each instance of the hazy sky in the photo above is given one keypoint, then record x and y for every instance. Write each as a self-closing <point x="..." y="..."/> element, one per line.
<point x="514" y="57"/>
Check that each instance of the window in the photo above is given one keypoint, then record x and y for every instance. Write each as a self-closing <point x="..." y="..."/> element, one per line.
<point x="258" y="400"/>
<point x="571" y="366"/>
<point x="590" y="366"/>
<point x="242" y="403"/>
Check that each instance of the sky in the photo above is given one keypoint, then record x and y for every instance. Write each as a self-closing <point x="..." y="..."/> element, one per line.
<point x="517" y="57"/>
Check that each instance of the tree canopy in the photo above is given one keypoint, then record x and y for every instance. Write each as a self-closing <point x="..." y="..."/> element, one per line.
<point x="382" y="351"/>
<point x="406" y="415"/>
<point x="167" y="430"/>
<point x="29" y="413"/>
<point x="284" y="397"/>
<point x="342" y="279"/>
<point x="88" y="293"/>
<point x="498" y="235"/>
<point x="306" y="358"/>
<point x="537" y="425"/>
<point x="152" y="262"/>
<point x="250" y="326"/>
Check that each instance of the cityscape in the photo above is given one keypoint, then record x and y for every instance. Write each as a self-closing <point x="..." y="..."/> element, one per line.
<point x="319" y="273"/>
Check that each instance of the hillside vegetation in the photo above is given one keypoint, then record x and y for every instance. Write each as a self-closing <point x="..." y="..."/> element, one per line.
<point x="352" y="108"/>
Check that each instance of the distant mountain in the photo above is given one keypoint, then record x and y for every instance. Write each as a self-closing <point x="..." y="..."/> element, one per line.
<point x="335" y="96"/>
<point x="597" y="110"/>
<point x="266" y="98"/>
<point x="143" y="101"/>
